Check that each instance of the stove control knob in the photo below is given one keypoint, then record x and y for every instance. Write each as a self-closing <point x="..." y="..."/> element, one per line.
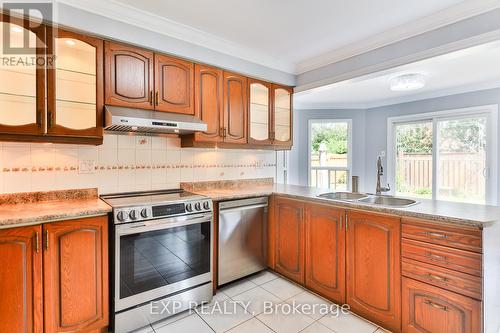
<point x="145" y="213"/>
<point x="197" y="206"/>
<point x="189" y="207"/>
<point x="121" y="216"/>
<point x="206" y="205"/>
<point x="133" y="214"/>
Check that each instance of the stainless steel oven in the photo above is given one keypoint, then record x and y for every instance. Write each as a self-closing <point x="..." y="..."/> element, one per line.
<point x="162" y="256"/>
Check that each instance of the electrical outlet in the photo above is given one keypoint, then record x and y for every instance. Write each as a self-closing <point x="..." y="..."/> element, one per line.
<point x="87" y="166"/>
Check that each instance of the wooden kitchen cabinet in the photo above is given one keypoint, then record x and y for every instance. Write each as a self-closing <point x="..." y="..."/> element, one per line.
<point x="235" y="108"/>
<point x="75" y="86"/>
<point x="21" y="280"/>
<point x="373" y="252"/>
<point x="430" y="309"/>
<point x="22" y="87"/>
<point x="259" y="112"/>
<point x="129" y="77"/>
<point x="174" y="84"/>
<point x="282" y="117"/>
<point x="76" y="275"/>
<point x="289" y="240"/>
<point x="209" y="102"/>
<point x="325" y="251"/>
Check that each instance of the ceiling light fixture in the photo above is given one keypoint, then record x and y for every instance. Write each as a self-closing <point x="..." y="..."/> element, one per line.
<point x="408" y="82"/>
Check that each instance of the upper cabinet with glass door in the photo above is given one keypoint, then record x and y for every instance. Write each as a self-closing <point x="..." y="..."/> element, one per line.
<point x="282" y="116"/>
<point x="22" y="77"/>
<point x="75" y="86"/>
<point x="259" y="112"/>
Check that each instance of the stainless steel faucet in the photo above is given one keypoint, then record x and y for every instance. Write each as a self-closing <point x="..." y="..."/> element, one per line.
<point x="380" y="172"/>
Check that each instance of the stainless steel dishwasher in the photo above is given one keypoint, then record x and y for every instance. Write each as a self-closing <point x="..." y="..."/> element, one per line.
<point x="242" y="238"/>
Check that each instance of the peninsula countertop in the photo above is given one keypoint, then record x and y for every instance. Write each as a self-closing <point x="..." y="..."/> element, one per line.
<point x="480" y="216"/>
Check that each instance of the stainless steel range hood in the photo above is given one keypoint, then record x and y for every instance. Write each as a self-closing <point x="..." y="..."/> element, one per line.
<point x="127" y="120"/>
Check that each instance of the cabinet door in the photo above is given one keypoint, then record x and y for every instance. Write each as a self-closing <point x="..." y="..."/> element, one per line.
<point x="282" y="115"/>
<point x="373" y="250"/>
<point x="22" y="83"/>
<point x="21" y="280"/>
<point x="259" y="112"/>
<point x="289" y="242"/>
<point x="325" y="251"/>
<point x="174" y="80"/>
<point x="75" y="85"/>
<point x="128" y="76"/>
<point x="235" y="108"/>
<point x="208" y="102"/>
<point x="431" y="309"/>
<point x="76" y="275"/>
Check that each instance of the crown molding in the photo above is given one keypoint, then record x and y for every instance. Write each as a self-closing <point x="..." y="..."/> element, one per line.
<point x="146" y="20"/>
<point x="428" y="23"/>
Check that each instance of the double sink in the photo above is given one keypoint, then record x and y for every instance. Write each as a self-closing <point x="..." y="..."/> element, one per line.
<point x="376" y="200"/>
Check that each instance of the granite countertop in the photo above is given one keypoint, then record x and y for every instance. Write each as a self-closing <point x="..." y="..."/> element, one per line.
<point x="43" y="207"/>
<point x="479" y="216"/>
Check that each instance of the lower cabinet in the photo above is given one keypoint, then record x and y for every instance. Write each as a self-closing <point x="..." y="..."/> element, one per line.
<point x="21" y="280"/>
<point x="325" y="251"/>
<point x="76" y="275"/>
<point x="74" y="290"/>
<point x="373" y="251"/>
<point x="430" y="309"/>
<point x="289" y="238"/>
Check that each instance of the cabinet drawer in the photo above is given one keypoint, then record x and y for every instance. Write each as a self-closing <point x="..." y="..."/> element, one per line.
<point x="460" y="238"/>
<point x="458" y="260"/>
<point x="431" y="309"/>
<point x="461" y="283"/>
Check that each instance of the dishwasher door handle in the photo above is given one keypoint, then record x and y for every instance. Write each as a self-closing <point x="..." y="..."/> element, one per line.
<point x="240" y="208"/>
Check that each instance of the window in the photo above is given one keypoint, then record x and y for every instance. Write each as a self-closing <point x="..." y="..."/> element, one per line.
<point x="330" y="154"/>
<point x="446" y="155"/>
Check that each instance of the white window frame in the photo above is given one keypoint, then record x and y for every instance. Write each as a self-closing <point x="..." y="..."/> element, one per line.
<point x="349" y="148"/>
<point x="491" y="113"/>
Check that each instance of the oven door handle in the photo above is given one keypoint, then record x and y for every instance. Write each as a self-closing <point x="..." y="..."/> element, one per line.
<point x="160" y="224"/>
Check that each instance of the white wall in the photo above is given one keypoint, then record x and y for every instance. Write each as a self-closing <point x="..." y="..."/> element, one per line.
<point x="370" y="131"/>
<point x="124" y="163"/>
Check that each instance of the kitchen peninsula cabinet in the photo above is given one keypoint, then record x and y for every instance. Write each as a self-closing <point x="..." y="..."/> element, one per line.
<point x="373" y="260"/>
<point x="287" y="227"/>
<point x="325" y="251"/>
<point x="73" y="294"/>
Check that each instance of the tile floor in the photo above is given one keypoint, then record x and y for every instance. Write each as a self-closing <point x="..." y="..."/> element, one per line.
<point x="246" y="301"/>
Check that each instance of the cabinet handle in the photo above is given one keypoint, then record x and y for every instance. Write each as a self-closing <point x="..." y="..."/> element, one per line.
<point x="346" y="222"/>
<point x="341" y="221"/>
<point x="37" y="242"/>
<point x="437" y="277"/>
<point x="225" y="133"/>
<point x="221" y="132"/>
<point x="150" y="99"/>
<point x="436" y="306"/>
<point x="157" y="97"/>
<point x="46" y="240"/>
<point x="436" y="256"/>
<point x="39" y="118"/>
<point x="434" y="234"/>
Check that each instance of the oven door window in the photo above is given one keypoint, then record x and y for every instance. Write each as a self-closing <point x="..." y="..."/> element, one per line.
<point x="155" y="259"/>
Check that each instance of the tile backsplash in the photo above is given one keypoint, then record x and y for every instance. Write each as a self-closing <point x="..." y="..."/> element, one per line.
<point x="124" y="163"/>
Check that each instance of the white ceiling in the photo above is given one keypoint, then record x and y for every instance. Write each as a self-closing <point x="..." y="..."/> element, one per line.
<point x="466" y="70"/>
<point x="290" y="35"/>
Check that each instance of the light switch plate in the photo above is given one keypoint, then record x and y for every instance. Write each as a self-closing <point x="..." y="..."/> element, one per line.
<point x="87" y="166"/>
